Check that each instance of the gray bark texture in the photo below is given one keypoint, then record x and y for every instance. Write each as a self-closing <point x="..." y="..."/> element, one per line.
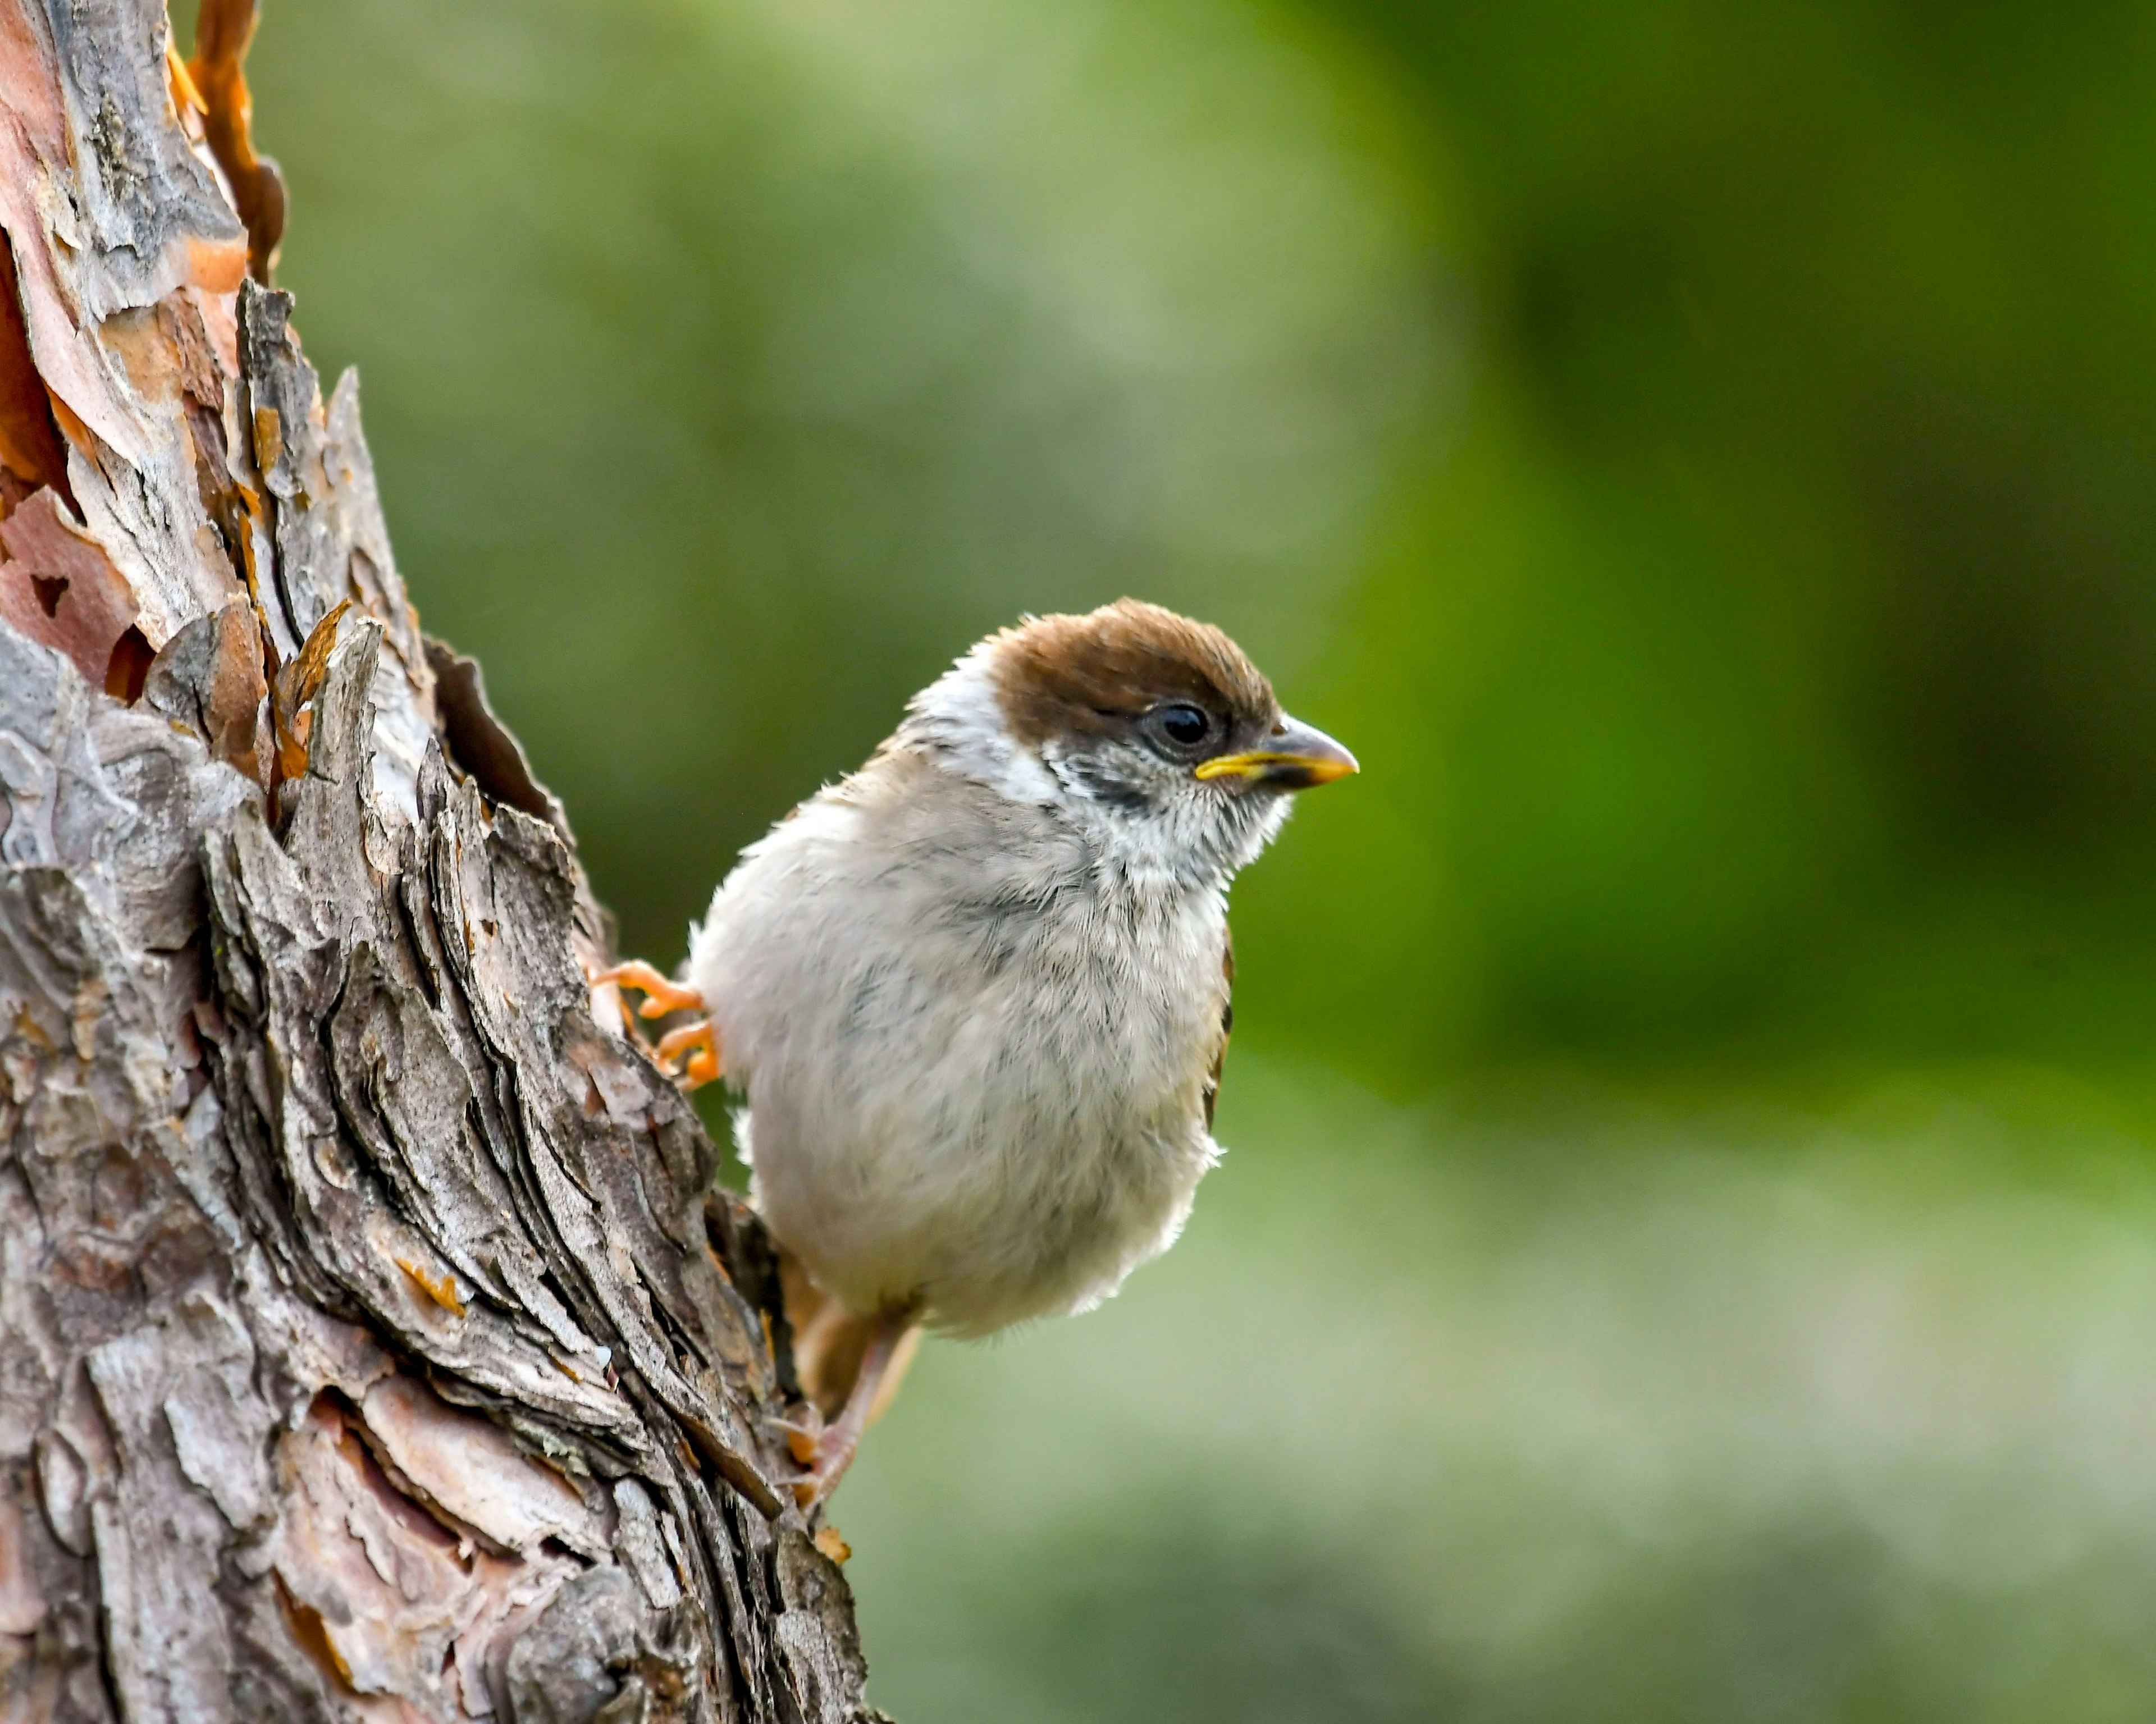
<point x="374" y="1344"/>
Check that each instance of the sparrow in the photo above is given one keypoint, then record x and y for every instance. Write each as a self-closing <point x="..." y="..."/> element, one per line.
<point x="973" y="998"/>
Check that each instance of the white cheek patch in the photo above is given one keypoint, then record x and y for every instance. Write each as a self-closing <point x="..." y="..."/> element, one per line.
<point x="960" y="717"/>
<point x="1194" y="838"/>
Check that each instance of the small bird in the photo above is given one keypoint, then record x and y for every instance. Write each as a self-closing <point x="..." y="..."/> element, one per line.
<point x="975" y="996"/>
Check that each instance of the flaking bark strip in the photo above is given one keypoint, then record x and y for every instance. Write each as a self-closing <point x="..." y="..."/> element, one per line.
<point x="302" y="1110"/>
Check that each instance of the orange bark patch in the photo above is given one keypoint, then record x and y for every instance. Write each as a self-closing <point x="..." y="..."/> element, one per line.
<point x="311" y="1636"/>
<point x="437" y="1284"/>
<point x="34" y="97"/>
<point x="57" y="587"/>
<point x="216" y="266"/>
<point x="129" y="667"/>
<point x="296" y="685"/>
<point x="222" y="676"/>
<point x="220" y="311"/>
<point x="30" y="446"/>
<point x="34" y="157"/>
<point x="468" y="1469"/>
<point x="187" y="99"/>
<point x="377" y="1589"/>
<point x="180" y="322"/>
<point x="222" y="33"/>
<point x="145" y="353"/>
<point x="166" y="351"/>
<point x="268" y="438"/>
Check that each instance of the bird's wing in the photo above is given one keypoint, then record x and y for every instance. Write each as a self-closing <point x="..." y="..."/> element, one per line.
<point x="1226" y="1024"/>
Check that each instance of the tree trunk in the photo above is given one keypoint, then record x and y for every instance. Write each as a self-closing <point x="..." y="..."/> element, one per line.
<point x="373" y="1342"/>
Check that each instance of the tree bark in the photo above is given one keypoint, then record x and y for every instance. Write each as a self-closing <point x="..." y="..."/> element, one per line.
<point x="374" y="1343"/>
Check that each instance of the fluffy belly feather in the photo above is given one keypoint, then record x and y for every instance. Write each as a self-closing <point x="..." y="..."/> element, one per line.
<point x="990" y="1109"/>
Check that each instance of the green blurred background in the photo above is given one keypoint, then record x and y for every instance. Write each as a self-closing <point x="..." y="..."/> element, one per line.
<point x="1688" y="1250"/>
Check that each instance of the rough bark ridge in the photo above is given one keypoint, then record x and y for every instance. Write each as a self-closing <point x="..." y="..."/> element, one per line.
<point x="372" y="1342"/>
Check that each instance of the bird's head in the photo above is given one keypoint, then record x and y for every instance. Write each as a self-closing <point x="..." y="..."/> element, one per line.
<point x="1154" y="731"/>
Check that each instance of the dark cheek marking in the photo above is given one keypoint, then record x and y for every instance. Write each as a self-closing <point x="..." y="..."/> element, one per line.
<point x="1123" y="798"/>
<point x="1108" y="789"/>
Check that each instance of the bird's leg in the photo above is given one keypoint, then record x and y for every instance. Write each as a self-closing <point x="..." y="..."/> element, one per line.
<point x="697" y="1040"/>
<point x="833" y="1445"/>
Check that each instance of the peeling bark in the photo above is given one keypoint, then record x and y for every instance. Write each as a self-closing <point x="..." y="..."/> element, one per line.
<point x="373" y="1341"/>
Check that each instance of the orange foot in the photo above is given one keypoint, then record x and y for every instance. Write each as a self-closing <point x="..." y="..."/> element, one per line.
<point x="701" y="1043"/>
<point x="697" y="1040"/>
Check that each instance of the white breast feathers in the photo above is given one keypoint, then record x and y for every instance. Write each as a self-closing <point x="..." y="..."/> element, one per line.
<point x="973" y="1049"/>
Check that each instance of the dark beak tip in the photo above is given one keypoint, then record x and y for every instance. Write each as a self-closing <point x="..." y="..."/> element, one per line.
<point x="1321" y="770"/>
<point x="1322" y="759"/>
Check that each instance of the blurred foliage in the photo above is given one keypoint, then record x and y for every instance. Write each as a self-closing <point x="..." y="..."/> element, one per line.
<point x="1700" y="457"/>
<point x="1599" y="1413"/>
<point x="732" y="370"/>
<point x="1796" y="560"/>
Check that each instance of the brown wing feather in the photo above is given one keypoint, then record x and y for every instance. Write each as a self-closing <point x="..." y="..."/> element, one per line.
<point x="1226" y="1024"/>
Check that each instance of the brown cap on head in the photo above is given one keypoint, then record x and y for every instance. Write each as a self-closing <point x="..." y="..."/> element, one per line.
<point x="1062" y="676"/>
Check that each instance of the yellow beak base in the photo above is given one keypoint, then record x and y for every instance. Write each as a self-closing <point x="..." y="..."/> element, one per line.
<point x="1300" y="758"/>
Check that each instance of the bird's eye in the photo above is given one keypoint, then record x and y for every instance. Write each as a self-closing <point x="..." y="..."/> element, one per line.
<point x="1186" y="726"/>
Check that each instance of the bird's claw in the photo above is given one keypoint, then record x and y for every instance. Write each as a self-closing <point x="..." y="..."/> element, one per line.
<point x="801" y="1439"/>
<point x="823" y="1465"/>
<point x="696" y="1045"/>
<point x="822" y="1451"/>
<point x="660" y="996"/>
<point x="700" y="1042"/>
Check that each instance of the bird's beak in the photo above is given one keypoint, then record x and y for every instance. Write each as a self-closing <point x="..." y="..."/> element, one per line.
<point x="1296" y="758"/>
